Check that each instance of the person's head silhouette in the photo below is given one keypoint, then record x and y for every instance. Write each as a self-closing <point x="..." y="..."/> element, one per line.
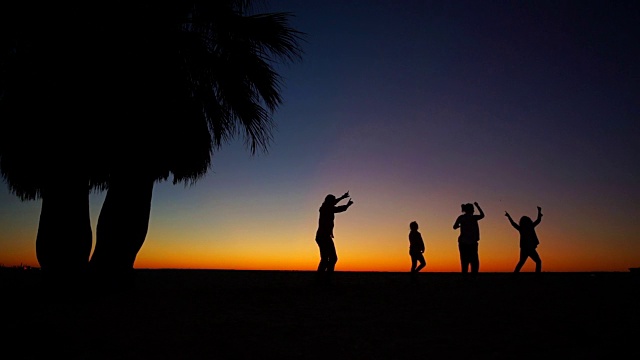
<point x="413" y="226"/>
<point x="467" y="208"/>
<point x="526" y="221"/>
<point x="330" y="199"/>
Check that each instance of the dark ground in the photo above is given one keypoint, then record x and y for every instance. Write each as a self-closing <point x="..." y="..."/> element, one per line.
<point x="215" y="314"/>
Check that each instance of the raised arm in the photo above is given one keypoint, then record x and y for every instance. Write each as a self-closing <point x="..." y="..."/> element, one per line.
<point x="344" y="196"/>
<point x="513" y="223"/>
<point x="481" y="213"/>
<point x="535" y="223"/>
<point x="342" y="208"/>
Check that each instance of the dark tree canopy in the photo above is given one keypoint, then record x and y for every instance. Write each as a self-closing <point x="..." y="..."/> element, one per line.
<point x="89" y="90"/>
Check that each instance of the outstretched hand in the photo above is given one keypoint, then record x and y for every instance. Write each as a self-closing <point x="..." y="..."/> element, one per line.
<point x="350" y="202"/>
<point x="539" y="210"/>
<point x="506" y="214"/>
<point x="345" y="195"/>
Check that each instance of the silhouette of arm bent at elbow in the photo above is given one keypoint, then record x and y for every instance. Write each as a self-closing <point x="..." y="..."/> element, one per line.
<point x="481" y="213"/>
<point x="456" y="224"/>
<point x="539" y="218"/>
<point x="342" y="208"/>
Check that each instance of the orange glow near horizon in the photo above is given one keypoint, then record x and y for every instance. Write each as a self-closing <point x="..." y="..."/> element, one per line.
<point x="440" y="258"/>
<point x="377" y="248"/>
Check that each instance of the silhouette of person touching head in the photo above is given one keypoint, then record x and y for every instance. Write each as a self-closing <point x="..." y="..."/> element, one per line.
<point x="416" y="248"/>
<point x="469" y="237"/>
<point x="528" y="240"/>
<point x="324" y="234"/>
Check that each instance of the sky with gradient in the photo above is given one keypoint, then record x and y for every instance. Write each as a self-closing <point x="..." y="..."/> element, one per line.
<point x="416" y="107"/>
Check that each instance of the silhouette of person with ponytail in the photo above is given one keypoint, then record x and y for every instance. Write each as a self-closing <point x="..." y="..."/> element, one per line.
<point x="469" y="237"/>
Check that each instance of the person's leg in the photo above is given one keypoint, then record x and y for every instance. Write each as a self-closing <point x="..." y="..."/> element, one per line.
<point x="474" y="258"/>
<point x="332" y="255"/>
<point x="422" y="262"/>
<point x="322" y="266"/>
<point x="536" y="258"/>
<point x="329" y="258"/>
<point x="464" y="262"/>
<point x="521" y="261"/>
<point x="414" y="262"/>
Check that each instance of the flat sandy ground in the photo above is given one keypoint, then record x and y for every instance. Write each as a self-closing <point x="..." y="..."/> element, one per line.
<point x="215" y="314"/>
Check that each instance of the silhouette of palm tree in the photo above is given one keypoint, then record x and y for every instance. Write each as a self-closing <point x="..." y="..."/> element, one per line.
<point x="134" y="95"/>
<point x="49" y="107"/>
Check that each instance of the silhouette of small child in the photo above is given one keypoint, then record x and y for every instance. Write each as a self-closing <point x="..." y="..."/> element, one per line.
<point x="416" y="248"/>
<point x="528" y="240"/>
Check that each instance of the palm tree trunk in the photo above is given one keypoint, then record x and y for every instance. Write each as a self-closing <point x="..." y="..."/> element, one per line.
<point x="64" y="238"/>
<point x="122" y="227"/>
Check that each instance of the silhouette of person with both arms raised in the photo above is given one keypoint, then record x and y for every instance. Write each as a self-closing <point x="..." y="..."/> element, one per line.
<point x="469" y="237"/>
<point x="324" y="234"/>
<point x="416" y="249"/>
<point x="528" y="240"/>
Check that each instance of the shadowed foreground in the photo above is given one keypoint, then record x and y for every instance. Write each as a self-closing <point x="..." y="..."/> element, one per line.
<point x="205" y="314"/>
